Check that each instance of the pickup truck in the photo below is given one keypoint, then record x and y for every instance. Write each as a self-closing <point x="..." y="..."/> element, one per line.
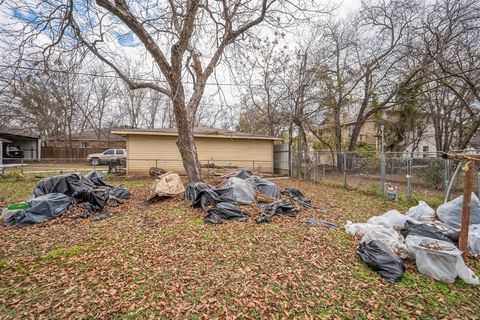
<point x="12" y="151"/>
<point x="107" y="156"/>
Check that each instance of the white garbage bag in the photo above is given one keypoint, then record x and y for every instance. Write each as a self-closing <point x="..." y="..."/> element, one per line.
<point x="474" y="238"/>
<point x="440" y="260"/>
<point x="391" y="238"/>
<point x="422" y="213"/>
<point x="451" y="212"/>
<point x="390" y="219"/>
<point x="360" y="229"/>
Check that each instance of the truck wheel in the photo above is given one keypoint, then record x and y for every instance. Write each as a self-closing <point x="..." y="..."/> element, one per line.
<point x="95" y="161"/>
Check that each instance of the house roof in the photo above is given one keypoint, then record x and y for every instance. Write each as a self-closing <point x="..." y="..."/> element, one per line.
<point x="91" y="135"/>
<point x="14" y="133"/>
<point x="198" y="132"/>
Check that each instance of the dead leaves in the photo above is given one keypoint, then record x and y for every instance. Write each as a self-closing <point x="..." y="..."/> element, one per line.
<point x="160" y="260"/>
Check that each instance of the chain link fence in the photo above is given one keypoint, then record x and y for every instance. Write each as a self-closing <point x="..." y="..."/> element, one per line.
<point x="411" y="178"/>
<point x="132" y="166"/>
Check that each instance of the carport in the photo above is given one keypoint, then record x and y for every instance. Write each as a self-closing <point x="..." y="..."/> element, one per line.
<point x="31" y="145"/>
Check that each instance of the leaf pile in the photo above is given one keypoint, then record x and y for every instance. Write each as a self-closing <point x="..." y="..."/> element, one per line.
<point x="161" y="261"/>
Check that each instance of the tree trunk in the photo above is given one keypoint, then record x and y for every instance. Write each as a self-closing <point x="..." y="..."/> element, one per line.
<point x="355" y="134"/>
<point x="463" y="143"/>
<point x="185" y="140"/>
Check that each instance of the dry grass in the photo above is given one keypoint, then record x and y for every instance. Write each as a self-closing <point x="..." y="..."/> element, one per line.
<point x="160" y="261"/>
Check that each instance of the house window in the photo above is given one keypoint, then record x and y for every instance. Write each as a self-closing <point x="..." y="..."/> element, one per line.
<point x="362" y="137"/>
<point x="425" y="151"/>
<point x="350" y="129"/>
<point x="84" y="144"/>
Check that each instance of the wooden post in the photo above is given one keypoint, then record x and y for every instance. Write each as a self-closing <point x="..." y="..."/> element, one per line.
<point x="467" y="196"/>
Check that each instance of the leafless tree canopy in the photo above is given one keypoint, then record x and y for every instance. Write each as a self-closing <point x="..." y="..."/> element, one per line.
<point x="285" y="68"/>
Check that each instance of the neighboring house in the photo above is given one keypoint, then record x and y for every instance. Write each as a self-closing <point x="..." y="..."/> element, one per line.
<point x="86" y="140"/>
<point x="157" y="148"/>
<point x="422" y="146"/>
<point x="368" y="133"/>
<point x="425" y="145"/>
<point x="31" y="145"/>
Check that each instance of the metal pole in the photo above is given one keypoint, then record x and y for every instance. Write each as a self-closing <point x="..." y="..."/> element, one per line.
<point x="409" y="180"/>
<point x="21" y="168"/>
<point x="208" y="168"/>
<point x="446" y="173"/>
<point x="345" y="170"/>
<point x="382" y="161"/>
<point x="324" y="172"/>
<point x="467" y="197"/>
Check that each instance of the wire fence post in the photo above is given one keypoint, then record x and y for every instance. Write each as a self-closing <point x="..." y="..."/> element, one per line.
<point x="446" y="176"/>
<point x="208" y="168"/>
<point x="382" y="164"/>
<point x="345" y="170"/>
<point x="253" y="165"/>
<point x="409" y="180"/>
<point x="324" y="173"/>
<point x="21" y="167"/>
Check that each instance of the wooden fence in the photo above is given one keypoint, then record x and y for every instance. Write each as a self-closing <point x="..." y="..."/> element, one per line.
<point x="68" y="153"/>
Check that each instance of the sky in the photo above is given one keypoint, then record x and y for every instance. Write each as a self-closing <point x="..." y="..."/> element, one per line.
<point x="126" y="46"/>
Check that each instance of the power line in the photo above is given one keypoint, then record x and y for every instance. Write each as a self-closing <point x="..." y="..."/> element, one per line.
<point x="115" y="76"/>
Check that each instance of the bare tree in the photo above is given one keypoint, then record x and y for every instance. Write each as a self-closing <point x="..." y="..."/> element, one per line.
<point x="173" y="33"/>
<point x="450" y="32"/>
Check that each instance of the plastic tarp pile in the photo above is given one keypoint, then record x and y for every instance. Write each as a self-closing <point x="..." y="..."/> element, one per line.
<point x="224" y="211"/>
<point x="238" y="190"/>
<point x="167" y="185"/>
<point x="52" y="197"/>
<point x="418" y="235"/>
<point x="297" y="196"/>
<point x="241" y="188"/>
<point x="40" y="209"/>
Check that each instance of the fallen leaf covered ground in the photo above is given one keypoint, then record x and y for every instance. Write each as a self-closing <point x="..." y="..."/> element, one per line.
<point x="160" y="261"/>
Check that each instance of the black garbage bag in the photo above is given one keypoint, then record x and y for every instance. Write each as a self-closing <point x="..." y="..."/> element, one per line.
<point x="381" y="258"/>
<point x="202" y="195"/>
<point x="41" y="209"/>
<point x="120" y="192"/>
<point x="98" y="199"/>
<point x="192" y="190"/>
<point x="278" y="208"/>
<point x="224" y="211"/>
<point x="96" y="178"/>
<point x="263" y="219"/>
<point x="297" y="196"/>
<point x="266" y="187"/>
<point x="424" y="230"/>
<point x="67" y="184"/>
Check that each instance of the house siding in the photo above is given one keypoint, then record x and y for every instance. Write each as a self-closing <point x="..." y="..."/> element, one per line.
<point x="145" y="151"/>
